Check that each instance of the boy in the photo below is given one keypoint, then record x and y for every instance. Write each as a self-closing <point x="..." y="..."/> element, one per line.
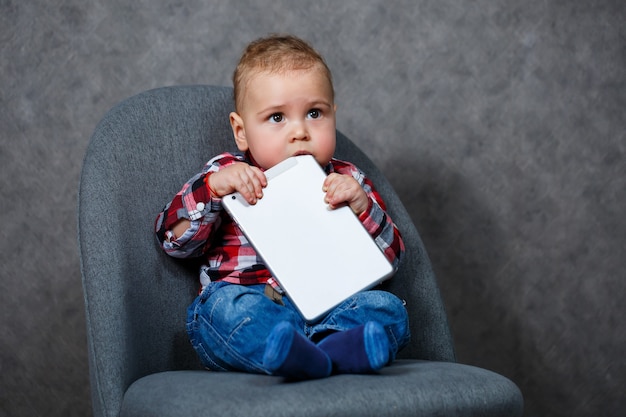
<point x="284" y="102"/>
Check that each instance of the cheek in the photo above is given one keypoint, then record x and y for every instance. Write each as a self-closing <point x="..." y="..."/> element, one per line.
<point x="268" y="152"/>
<point x="330" y="139"/>
<point x="326" y="147"/>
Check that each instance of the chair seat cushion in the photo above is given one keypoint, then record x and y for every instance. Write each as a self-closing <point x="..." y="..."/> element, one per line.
<point x="407" y="388"/>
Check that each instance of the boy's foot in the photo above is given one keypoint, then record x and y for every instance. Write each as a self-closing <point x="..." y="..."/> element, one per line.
<point x="292" y="355"/>
<point x="364" y="349"/>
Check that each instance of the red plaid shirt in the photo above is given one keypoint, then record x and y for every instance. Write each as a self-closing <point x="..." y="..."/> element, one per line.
<point x="228" y="254"/>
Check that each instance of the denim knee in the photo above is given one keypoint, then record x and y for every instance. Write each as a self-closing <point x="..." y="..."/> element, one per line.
<point x="380" y="306"/>
<point x="228" y="325"/>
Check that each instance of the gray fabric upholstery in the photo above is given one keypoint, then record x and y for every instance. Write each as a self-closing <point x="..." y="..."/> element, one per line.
<point x="135" y="296"/>
<point x="407" y="388"/>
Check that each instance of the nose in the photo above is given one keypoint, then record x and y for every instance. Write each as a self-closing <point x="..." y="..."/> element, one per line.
<point x="299" y="132"/>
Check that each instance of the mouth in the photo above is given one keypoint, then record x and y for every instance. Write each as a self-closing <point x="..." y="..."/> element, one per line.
<point x="299" y="153"/>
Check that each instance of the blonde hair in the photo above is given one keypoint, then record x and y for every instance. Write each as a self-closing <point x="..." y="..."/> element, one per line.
<point x="276" y="54"/>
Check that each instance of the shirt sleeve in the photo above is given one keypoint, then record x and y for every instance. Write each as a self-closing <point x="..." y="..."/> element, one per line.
<point x="375" y="218"/>
<point x="194" y="203"/>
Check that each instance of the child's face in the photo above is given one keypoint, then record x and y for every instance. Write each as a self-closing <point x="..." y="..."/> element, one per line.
<point x="284" y="115"/>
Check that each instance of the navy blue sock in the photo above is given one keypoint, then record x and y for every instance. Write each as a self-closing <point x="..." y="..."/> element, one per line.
<point x="361" y="350"/>
<point x="290" y="354"/>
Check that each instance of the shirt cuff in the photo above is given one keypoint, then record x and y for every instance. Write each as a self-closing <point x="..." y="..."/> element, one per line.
<point x="366" y="217"/>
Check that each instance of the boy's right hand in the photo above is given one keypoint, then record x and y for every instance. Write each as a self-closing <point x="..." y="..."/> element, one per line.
<point x="246" y="179"/>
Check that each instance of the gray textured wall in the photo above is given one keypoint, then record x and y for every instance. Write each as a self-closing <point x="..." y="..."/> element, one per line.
<point x="500" y="123"/>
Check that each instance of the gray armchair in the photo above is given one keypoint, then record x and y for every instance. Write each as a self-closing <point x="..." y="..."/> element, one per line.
<point x="141" y="363"/>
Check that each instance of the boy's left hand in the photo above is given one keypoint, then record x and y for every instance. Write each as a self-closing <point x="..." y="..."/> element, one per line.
<point x="344" y="189"/>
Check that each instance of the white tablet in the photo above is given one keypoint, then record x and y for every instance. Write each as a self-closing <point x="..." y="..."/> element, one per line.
<point x="319" y="256"/>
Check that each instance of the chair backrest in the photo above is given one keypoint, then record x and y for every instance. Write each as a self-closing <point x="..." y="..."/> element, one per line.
<point x="140" y="154"/>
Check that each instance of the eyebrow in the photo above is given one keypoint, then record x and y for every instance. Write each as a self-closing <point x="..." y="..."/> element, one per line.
<point x="321" y="103"/>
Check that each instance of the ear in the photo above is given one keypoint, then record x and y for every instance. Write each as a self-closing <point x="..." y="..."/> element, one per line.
<point x="239" y="131"/>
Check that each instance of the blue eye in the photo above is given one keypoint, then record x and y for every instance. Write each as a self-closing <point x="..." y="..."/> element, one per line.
<point x="276" y="118"/>
<point x="314" y="114"/>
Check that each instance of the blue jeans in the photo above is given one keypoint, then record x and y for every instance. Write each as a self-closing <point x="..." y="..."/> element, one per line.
<point x="228" y="324"/>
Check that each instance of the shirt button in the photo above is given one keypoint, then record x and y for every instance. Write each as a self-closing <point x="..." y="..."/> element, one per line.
<point x="200" y="207"/>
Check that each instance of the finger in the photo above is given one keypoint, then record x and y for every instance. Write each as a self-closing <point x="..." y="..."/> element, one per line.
<point x="340" y="195"/>
<point x="338" y="192"/>
<point x="254" y="183"/>
<point x="260" y="175"/>
<point x="330" y="179"/>
<point x="245" y="186"/>
<point x="259" y="181"/>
